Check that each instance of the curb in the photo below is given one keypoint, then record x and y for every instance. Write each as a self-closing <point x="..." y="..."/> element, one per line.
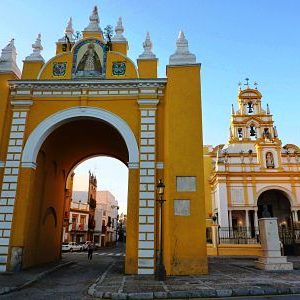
<point x="7" y="290"/>
<point x="204" y="293"/>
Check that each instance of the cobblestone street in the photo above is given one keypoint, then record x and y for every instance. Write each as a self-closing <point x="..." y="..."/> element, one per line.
<point x="70" y="282"/>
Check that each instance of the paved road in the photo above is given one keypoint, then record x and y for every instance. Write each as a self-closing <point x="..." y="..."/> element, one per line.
<point x="73" y="281"/>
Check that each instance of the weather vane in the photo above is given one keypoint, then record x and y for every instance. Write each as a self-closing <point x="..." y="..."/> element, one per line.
<point x="247" y="82"/>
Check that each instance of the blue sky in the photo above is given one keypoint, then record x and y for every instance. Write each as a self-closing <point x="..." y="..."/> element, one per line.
<point x="232" y="39"/>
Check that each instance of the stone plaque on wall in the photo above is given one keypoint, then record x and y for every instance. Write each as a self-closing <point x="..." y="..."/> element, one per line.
<point x="186" y="184"/>
<point x="182" y="208"/>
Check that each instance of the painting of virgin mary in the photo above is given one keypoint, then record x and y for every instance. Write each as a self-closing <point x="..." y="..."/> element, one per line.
<point x="89" y="65"/>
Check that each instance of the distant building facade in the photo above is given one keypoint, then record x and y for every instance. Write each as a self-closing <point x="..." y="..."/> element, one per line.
<point x="79" y="216"/>
<point x="108" y="207"/>
<point x="80" y="208"/>
<point x="252" y="172"/>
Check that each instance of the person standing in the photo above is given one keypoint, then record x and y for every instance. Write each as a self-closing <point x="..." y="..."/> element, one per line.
<point x="90" y="251"/>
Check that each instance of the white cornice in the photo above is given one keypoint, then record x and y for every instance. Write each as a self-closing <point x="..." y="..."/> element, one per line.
<point x="148" y="101"/>
<point x="87" y="85"/>
<point x="21" y="102"/>
<point x="96" y="88"/>
<point x="29" y="165"/>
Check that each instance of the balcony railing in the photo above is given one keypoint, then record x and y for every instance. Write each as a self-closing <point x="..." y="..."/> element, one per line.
<point x="78" y="227"/>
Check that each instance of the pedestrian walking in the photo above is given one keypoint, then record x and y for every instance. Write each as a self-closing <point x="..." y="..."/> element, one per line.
<point x="90" y="251"/>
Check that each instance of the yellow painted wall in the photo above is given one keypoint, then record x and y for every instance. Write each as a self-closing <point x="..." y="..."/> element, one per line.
<point x="207" y="171"/>
<point x="131" y="71"/>
<point x="147" y="68"/>
<point x="131" y="262"/>
<point x="47" y="70"/>
<point x="31" y="69"/>
<point x="5" y="113"/>
<point x="183" y="157"/>
<point x="120" y="47"/>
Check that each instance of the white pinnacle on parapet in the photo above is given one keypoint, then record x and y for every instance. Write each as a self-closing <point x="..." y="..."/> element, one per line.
<point x="147" y="45"/>
<point x="69" y="33"/>
<point x="119" y="29"/>
<point x="8" y="59"/>
<point x="94" y="21"/>
<point x="37" y="48"/>
<point x="182" y="55"/>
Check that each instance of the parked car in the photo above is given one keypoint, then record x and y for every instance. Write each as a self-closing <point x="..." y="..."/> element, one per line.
<point x="71" y="246"/>
<point x="85" y="245"/>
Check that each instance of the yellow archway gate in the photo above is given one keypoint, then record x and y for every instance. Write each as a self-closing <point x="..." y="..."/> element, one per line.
<point x="91" y="99"/>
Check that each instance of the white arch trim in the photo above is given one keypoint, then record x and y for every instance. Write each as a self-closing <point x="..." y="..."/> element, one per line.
<point x="288" y="194"/>
<point x="47" y="126"/>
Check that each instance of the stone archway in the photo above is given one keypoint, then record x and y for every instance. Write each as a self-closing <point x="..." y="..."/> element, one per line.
<point x="278" y="204"/>
<point x="50" y="153"/>
<point x="42" y="131"/>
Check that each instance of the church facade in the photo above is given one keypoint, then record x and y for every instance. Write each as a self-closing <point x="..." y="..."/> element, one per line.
<point x="92" y="99"/>
<point x="253" y="174"/>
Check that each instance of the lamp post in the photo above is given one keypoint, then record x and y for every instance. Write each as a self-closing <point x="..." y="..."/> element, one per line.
<point x="160" y="273"/>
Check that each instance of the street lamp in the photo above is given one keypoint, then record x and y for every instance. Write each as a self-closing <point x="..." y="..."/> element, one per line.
<point x="160" y="273"/>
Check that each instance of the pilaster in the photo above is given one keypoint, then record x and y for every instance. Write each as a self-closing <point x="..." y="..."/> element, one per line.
<point x="10" y="179"/>
<point x="146" y="243"/>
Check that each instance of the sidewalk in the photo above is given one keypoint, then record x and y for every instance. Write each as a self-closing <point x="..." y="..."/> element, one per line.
<point x="228" y="276"/>
<point x="10" y="282"/>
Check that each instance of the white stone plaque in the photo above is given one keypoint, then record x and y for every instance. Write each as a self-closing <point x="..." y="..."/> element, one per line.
<point x="186" y="184"/>
<point x="182" y="208"/>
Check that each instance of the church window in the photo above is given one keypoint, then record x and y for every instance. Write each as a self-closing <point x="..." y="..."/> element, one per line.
<point x="266" y="133"/>
<point x="240" y="133"/>
<point x="250" y="108"/>
<point x="252" y="132"/>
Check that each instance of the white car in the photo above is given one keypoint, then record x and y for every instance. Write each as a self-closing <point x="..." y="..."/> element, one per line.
<point x="71" y="246"/>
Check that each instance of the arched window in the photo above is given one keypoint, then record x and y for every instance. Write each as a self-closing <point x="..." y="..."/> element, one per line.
<point x="250" y="108"/>
<point x="252" y="132"/>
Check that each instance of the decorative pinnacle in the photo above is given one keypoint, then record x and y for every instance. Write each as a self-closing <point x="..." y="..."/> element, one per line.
<point x="94" y="21"/>
<point x="37" y="48"/>
<point x="8" y="53"/>
<point x="8" y="59"/>
<point x="268" y="109"/>
<point x="275" y="132"/>
<point x="232" y="109"/>
<point x="182" y="54"/>
<point x="69" y="31"/>
<point x="119" y="29"/>
<point x="147" y="45"/>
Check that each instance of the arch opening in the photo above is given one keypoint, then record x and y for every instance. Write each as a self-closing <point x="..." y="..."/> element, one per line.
<point x="64" y="148"/>
<point x="95" y="178"/>
<point x="277" y="204"/>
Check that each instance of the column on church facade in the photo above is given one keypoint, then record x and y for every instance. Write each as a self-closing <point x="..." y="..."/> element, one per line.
<point x="230" y="218"/>
<point x="255" y="219"/>
<point x="295" y="216"/>
<point x="247" y="220"/>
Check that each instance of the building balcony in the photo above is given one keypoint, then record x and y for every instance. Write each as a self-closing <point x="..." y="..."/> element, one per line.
<point x="78" y="227"/>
